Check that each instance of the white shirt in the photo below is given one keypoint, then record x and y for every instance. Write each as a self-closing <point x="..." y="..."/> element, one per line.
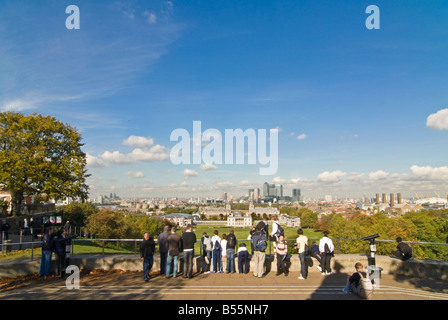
<point x="274" y="228"/>
<point x="214" y="239"/>
<point x="302" y="240"/>
<point x="322" y="243"/>
<point x="224" y="247"/>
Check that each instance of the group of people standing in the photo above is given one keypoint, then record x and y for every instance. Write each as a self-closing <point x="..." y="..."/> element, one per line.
<point x="170" y="246"/>
<point x="322" y="252"/>
<point x="55" y="242"/>
<point x="215" y="248"/>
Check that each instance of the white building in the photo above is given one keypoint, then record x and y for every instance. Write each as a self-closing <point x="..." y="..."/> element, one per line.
<point x="238" y="219"/>
<point x="289" y="221"/>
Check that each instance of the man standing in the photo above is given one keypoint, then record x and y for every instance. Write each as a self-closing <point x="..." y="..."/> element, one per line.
<point x="230" y="252"/>
<point x="301" y="242"/>
<point x="5" y="228"/>
<point x="216" y="253"/>
<point x="161" y="240"/>
<point x="189" y="239"/>
<point x="47" y="250"/>
<point x="326" y="249"/>
<point x="173" y="244"/>
<point x="147" y="249"/>
<point x="260" y="245"/>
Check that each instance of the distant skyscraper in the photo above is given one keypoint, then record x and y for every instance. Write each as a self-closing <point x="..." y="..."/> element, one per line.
<point x="266" y="189"/>
<point x="296" y="196"/>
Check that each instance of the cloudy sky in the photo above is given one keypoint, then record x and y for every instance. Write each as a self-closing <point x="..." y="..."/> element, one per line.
<point x="357" y="111"/>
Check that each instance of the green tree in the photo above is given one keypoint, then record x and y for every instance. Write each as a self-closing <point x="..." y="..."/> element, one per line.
<point x="308" y="218"/>
<point x="77" y="213"/>
<point x="39" y="154"/>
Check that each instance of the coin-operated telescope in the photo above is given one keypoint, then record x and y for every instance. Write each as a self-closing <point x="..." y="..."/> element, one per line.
<point x="375" y="272"/>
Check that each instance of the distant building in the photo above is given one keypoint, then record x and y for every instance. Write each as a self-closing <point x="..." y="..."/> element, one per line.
<point x="403" y="208"/>
<point x="263" y="210"/>
<point x="179" y="219"/>
<point x="215" y="212"/>
<point x="289" y="221"/>
<point x="238" y="219"/>
<point x="296" y="195"/>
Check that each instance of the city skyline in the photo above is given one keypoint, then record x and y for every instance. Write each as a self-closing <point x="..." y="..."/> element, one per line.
<point x="356" y="111"/>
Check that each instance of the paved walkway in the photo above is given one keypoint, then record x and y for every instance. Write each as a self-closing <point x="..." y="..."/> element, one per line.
<point x="130" y="285"/>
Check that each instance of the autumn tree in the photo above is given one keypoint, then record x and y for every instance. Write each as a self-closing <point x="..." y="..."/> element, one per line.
<point x="40" y="155"/>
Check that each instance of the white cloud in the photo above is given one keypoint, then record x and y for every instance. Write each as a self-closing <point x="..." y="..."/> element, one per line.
<point x="356" y="177"/>
<point x="208" y="166"/>
<point x="115" y="157"/>
<point x="136" y="141"/>
<point x="135" y="175"/>
<point x="154" y="153"/>
<point x="152" y="18"/>
<point x="190" y="173"/>
<point x="378" y="175"/>
<point x="438" y="120"/>
<point x="333" y="176"/>
<point x="95" y="162"/>
<point x="429" y="173"/>
<point x="302" y="136"/>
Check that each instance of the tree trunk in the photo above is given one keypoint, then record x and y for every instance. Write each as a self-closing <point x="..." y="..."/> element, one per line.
<point x="16" y="202"/>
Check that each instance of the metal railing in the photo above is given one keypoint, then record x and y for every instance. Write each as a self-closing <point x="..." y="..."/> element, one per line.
<point x="103" y="244"/>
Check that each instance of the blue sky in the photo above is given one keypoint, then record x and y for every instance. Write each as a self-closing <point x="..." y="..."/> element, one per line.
<point x="357" y="110"/>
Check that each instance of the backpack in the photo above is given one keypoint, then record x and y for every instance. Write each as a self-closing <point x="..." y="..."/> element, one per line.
<point x="217" y="246"/>
<point x="207" y="243"/>
<point x="231" y="243"/>
<point x="280" y="229"/>
<point x="327" y="249"/>
<point x="262" y="245"/>
<point x="307" y="250"/>
<point x="365" y="286"/>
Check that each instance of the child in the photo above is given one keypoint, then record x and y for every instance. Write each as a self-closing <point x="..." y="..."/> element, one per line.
<point x="224" y="245"/>
<point x="243" y="258"/>
<point x="316" y="254"/>
<point x="281" y="252"/>
<point x="353" y="280"/>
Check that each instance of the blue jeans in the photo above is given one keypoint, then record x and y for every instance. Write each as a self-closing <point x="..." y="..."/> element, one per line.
<point x="168" y="265"/>
<point x="45" y="263"/>
<point x="303" y="268"/>
<point x="163" y="256"/>
<point x="217" y="261"/>
<point x="188" y="263"/>
<point x="230" y="265"/>
<point x="208" y="253"/>
<point x="147" y="265"/>
<point x="243" y="261"/>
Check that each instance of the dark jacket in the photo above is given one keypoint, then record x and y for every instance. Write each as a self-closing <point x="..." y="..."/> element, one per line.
<point x="147" y="248"/>
<point x="48" y="241"/>
<point x="405" y="250"/>
<point x="161" y="240"/>
<point x="189" y="239"/>
<point x="231" y="244"/>
<point x="173" y="244"/>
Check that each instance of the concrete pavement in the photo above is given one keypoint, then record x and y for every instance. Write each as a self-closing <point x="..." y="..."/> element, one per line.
<point x="115" y="285"/>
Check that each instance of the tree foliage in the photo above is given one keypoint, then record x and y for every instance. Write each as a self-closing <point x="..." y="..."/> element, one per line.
<point x="77" y="213"/>
<point x="110" y="224"/>
<point x="39" y="154"/>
